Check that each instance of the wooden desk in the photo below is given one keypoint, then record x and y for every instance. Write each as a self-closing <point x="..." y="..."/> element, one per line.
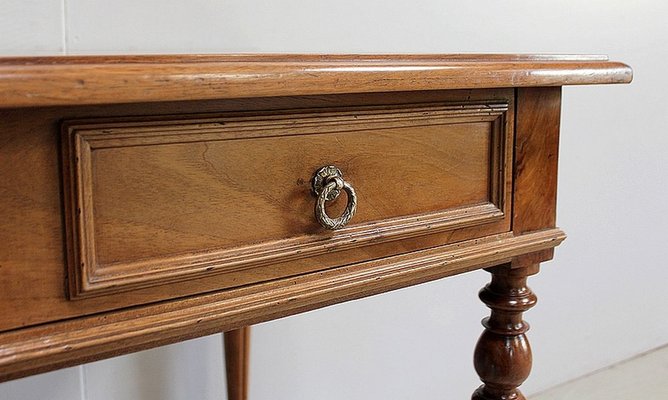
<point x="147" y="200"/>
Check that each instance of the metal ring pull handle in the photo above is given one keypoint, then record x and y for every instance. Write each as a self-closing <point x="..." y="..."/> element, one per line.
<point x="327" y="185"/>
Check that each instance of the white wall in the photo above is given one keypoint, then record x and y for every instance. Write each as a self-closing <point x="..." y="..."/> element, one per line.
<point x="602" y="300"/>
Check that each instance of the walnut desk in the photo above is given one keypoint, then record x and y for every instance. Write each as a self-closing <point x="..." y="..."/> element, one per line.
<point x="146" y="200"/>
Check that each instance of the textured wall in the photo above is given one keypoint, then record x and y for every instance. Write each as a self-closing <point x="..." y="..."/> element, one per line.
<point x="600" y="301"/>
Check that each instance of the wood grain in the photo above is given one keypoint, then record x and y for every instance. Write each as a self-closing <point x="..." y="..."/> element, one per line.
<point x="56" y="81"/>
<point x="536" y="155"/>
<point x="502" y="356"/>
<point x="157" y="167"/>
<point x="33" y="259"/>
<point x="159" y="201"/>
<point x="536" y="164"/>
<point x="56" y="345"/>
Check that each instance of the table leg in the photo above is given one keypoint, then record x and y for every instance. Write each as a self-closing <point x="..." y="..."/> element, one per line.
<point x="237" y="346"/>
<point x="502" y="356"/>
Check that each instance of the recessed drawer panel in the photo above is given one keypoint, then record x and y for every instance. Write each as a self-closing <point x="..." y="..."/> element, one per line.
<point x="154" y="201"/>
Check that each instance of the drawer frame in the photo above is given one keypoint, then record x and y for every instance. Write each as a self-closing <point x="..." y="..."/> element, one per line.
<point x="80" y="138"/>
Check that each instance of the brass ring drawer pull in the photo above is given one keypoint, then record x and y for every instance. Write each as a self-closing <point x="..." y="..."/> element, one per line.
<point x="327" y="185"/>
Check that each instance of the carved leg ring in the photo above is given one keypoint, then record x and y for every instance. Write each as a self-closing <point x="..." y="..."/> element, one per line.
<point x="502" y="356"/>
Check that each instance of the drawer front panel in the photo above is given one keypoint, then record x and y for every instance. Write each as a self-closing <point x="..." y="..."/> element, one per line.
<point x="156" y="201"/>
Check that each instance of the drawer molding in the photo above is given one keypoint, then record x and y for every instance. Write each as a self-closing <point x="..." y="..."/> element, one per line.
<point x="120" y="276"/>
<point x="88" y="277"/>
<point x="43" y="348"/>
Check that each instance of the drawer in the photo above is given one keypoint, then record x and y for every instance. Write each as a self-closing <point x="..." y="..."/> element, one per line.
<point x="155" y="200"/>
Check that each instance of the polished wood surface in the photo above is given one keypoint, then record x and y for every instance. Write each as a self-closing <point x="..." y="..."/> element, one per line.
<point x="502" y="356"/>
<point x="280" y="57"/>
<point x="147" y="200"/>
<point x="237" y="353"/>
<point x="73" y="341"/>
<point x="33" y="199"/>
<point x="77" y="81"/>
<point x="172" y="199"/>
<point x="536" y="156"/>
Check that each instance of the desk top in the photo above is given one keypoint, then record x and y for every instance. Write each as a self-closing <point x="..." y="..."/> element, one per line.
<point x="81" y="80"/>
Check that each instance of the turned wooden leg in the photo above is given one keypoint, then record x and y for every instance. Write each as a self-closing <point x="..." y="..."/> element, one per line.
<point x="502" y="356"/>
<point x="237" y="346"/>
